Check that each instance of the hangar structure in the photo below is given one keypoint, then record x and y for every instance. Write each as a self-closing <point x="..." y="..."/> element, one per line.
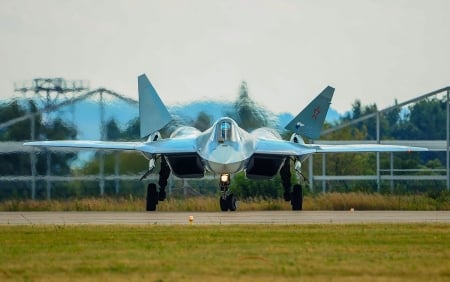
<point x="54" y="94"/>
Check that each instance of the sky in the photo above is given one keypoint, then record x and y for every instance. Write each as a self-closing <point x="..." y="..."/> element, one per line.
<point x="287" y="51"/>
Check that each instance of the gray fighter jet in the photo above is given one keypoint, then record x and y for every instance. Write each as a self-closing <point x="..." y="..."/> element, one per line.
<point x="225" y="148"/>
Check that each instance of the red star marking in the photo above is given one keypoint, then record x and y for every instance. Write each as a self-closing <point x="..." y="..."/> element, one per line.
<point x="316" y="113"/>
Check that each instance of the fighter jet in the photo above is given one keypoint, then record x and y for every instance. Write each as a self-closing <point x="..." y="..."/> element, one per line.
<point x="225" y="149"/>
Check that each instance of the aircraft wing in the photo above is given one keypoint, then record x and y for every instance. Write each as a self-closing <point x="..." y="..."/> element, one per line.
<point x="365" y="148"/>
<point x="164" y="146"/>
<point x="86" y="144"/>
<point x="285" y="148"/>
<point x="282" y="148"/>
<point x="169" y="146"/>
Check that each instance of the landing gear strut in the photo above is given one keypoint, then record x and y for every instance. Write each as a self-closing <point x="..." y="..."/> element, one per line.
<point x="295" y="196"/>
<point x="164" y="174"/>
<point x="285" y="173"/>
<point x="227" y="200"/>
<point x="153" y="195"/>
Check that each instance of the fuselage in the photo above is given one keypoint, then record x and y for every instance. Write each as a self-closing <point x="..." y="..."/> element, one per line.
<point x="224" y="148"/>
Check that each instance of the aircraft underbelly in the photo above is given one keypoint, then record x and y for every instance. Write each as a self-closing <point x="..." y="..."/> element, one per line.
<point x="225" y="159"/>
<point x="225" y="168"/>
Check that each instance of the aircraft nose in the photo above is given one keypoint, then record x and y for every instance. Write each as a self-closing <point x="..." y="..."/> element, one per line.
<point x="224" y="154"/>
<point x="225" y="159"/>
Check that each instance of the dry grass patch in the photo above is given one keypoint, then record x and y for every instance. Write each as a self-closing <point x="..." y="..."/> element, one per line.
<point x="327" y="201"/>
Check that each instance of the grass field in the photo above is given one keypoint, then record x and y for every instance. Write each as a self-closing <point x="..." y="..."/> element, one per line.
<point x="382" y="252"/>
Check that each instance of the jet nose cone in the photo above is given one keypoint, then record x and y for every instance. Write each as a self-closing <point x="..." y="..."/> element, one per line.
<point x="225" y="154"/>
<point x="225" y="159"/>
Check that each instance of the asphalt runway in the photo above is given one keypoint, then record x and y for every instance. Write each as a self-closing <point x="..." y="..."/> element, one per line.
<point x="202" y="218"/>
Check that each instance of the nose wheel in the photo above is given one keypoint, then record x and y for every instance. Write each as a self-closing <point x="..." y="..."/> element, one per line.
<point x="228" y="203"/>
<point x="227" y="200"/>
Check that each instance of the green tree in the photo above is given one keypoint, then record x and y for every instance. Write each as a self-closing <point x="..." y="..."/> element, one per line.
<point x="20" y="130"/>
<point x="248" y="114"/>
<point x="113" y="131"/>
<point x="346" y="163"/>
<point x="426" y="120"/>
<point x="132" y="132"/>
<point x="246" y="188"/>
<point x="367" y="126"/>
<point x="17" y="163"/>
<point x="203" y="121"/>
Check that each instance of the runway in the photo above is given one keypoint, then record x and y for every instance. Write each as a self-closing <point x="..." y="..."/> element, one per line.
<point x="216" y="218"/>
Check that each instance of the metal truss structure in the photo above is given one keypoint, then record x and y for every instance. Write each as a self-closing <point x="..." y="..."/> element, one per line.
<point x="51" y="95"/>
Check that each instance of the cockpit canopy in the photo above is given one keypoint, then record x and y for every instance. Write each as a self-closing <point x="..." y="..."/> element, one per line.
<point x="226" y="131"/>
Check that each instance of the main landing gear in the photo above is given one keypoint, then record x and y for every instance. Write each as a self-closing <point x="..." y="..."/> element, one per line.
<point x="153" y="195"/>
<point x="227" y="200"/>
<point x="295" y="196"/>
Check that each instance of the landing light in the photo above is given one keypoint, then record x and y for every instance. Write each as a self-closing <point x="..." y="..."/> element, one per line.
<point x="225" y="178"/>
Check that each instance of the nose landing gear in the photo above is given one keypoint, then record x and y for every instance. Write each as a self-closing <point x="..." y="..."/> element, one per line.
<point x="227" y="200"/>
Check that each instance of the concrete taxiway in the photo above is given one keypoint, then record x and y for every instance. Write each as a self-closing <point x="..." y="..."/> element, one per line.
<point x="254" y="217"/>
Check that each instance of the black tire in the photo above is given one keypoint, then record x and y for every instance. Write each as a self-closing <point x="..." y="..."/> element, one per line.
<point x="152" y="197"/>
<point x="224" y="204"/>
<point x="232" y="202"/>
<point x="161" y="195"/>
<point x="297" y="198"/>
<point x="228" y="204"/>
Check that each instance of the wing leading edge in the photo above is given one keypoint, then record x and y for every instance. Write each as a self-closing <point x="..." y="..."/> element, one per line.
<point x="165" y="146"/>
<point x="365" y="148"/>
<point x="285" y="148"/>
<point x="86" y="144"/>
<point x="282" y="148"/>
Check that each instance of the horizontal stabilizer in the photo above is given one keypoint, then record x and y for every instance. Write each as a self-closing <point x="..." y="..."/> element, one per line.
<point x="309" y="122"/>
<point x="152" y="112"/>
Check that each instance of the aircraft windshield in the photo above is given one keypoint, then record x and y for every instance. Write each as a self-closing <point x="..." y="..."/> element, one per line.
<point x="225" y="131"/>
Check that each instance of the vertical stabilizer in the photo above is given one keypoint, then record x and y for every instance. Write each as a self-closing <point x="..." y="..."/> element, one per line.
<point x="309" y="122"/>
<point x="152" y="112"/>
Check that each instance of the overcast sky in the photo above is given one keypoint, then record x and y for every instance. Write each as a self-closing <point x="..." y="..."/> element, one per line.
<point x="286" y="51"/>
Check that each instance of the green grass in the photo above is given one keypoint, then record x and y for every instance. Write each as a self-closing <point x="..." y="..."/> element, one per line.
<point x="327" y="201"/>
<point x="381" y="252"/>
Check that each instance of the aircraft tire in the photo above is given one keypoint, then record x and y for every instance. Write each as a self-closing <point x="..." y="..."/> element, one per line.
<point x="224" y="204"/>
<point x="228" y="204"/>
<point x="232" y="202"/>
<point x="152" y="197"/>
<point x="297" y="198"/>
<point x="161" y="195"/>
